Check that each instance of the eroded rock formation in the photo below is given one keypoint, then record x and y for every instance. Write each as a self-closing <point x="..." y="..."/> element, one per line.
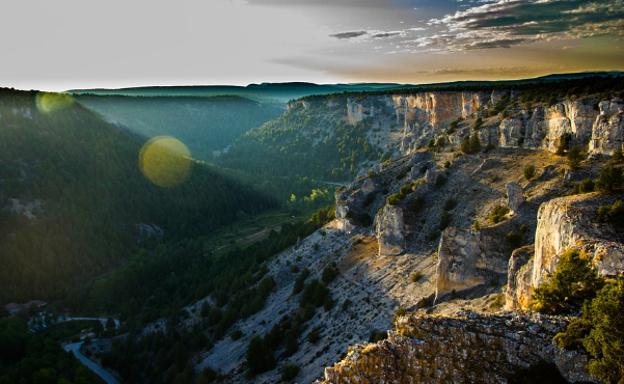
<point x="562" y="223"/>
<point x="463" y="348"/>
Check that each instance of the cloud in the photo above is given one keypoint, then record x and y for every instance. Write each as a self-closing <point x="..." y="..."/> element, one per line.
<point x="381" y="35"/>
<point x="371" y="34"/>
<point x="348" y="35"/>
<point x="507" y="23"/>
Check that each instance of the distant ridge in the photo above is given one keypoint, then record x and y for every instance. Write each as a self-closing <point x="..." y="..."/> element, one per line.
<point x="283" y="92"/>
<point x="280" y="92"/>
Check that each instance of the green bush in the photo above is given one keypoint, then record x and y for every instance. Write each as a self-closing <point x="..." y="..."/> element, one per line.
<point x="585" y="186"/>
<point x="440" y="143"/>
<point x="440" y="181"/>
<point x="407" y="188"/>
<point x="330" y="272"/>
<point x="529" y="171"/>
<point x="600" y="331"/>
<point x="315" y="335"/>
<point x="300" y="282"/>
<point x="449" y="204"/>
<point x="289" y="372"/>
<point x="604" y="342"/>
<point x="514" y="238"/>
<point x="471" y="144"/>
<point x="609" y="179"/>
<point x="416" y="276"/>
<point x="316" y="294"/>
<point x="575" y="156"/>
<point x="237" y="334"/>
<point x="395" y="198"/>
<point x="572" y="283"/>
<point x="613" y="214"/>
<point x="259" y="356"/>
<point x="498" y="214"/>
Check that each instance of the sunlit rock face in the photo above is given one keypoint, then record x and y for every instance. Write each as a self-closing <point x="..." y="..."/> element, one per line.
<point x="518" y="290"/>
<point x="608" y="129"/>
<point x="462" y="348"/>
<point x="563" y="223"/>
<point x="390" y="230"/>
<point x="401" y="123"/>
<point x="468" y="258"/>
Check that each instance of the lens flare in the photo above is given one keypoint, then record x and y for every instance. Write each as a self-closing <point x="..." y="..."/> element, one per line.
<point x="165" y="161"/>
<point x="50" y="102"/>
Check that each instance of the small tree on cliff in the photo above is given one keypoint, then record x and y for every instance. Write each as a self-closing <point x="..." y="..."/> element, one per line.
<point x="471" y="144"/>
<point x="600" y="331"/>
<point x="572" y="283"/>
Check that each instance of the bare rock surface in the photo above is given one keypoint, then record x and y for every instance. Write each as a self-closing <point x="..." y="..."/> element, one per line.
<point x="466" y="347"/>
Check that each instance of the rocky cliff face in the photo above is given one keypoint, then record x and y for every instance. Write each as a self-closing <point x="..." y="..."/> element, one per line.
<point x="468" y="258"/>
<point x="463" y="348"/>
<point x="404" y="122"/>
<point x="562" y="223"/>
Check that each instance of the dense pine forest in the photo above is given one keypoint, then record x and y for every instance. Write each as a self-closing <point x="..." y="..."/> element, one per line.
<point x="74" y="200"/>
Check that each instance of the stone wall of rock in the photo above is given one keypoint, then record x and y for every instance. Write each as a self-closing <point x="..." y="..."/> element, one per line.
<point x="468" y="258"/>
<point x="408" y="121"/>
<point x="464" y="348"/>
<point x="608" y="130"/>
<point x="562" y="223"/>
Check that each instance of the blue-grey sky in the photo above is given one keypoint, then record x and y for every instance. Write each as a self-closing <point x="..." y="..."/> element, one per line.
<point x="64" y="44"/>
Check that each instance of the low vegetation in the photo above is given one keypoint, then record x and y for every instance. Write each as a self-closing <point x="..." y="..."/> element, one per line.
<point x="613" y="214"/>
<point x="600" y="331"/>
<point x="571" y="284"/>
<point x="529" y="171"/>
<point x="498" y="214"/>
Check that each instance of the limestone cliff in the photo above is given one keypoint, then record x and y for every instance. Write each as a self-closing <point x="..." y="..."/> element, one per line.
<point x="564" y="223"/>
<point x="404" y="122"/>
<point x="462" y="348"/>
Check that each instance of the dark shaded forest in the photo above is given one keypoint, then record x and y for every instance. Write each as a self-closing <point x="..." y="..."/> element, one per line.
<point x="72" y="197"/>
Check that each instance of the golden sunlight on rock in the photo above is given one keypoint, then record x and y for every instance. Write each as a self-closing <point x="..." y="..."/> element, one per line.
<point x="165" y="161"/>
<point x="50" y="102"/>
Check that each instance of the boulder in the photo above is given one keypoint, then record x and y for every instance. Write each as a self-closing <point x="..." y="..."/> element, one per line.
<point x="515" y="196"/>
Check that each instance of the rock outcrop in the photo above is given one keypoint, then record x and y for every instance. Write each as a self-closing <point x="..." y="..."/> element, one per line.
<point x="562" y="223"/>
<point x="468" y="258"/>
<point x="515" y="196"/>
<point x="464" y="348"/>
<point x="401" y="123"/>
<point x="390" y="230"/>
<point x="608" y="130"/>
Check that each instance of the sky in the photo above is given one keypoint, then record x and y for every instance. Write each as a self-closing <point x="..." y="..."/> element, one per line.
<point x="66" y="44"/>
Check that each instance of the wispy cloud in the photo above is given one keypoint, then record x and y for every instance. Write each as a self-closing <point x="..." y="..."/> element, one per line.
<point x="511" y="22"/>
<point x="348" y="34"/>
<point x="369" y="34"/>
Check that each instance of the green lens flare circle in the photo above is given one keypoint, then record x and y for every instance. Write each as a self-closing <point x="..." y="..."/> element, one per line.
<point x="51" y="102"/>
<point x="165" y="161"/>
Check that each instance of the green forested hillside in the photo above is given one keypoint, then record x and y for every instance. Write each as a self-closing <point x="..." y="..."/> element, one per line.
<point x="315" y="142"/>
<point x="72" y="196"/>
<point x="205" y="124"/>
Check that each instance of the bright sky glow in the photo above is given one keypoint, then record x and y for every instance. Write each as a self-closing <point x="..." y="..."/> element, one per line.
<point x="63" y="44"/>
